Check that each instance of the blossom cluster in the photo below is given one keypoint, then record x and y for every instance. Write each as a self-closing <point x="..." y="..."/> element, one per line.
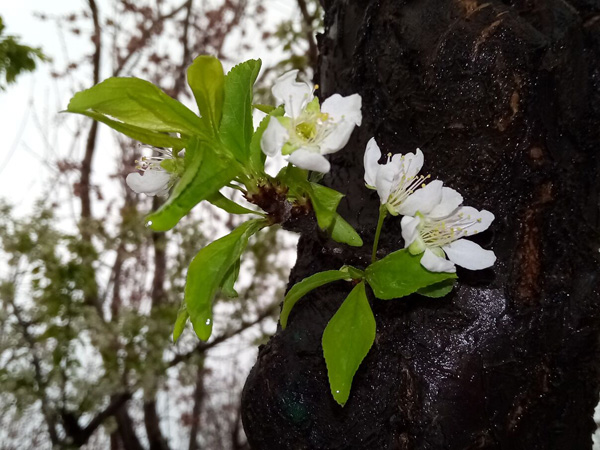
<point x="435" y="222"/>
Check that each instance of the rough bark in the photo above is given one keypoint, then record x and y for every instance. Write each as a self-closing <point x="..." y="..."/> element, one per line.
<point x="503" y="97"/>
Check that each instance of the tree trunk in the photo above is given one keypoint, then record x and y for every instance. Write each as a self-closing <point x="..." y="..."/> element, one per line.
<point x="503" y="97"/>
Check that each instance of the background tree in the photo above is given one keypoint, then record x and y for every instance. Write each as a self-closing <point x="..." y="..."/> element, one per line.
<point x="503" y="99"/>
<point x="16" y="58"/>
<point x="88" y="294"/>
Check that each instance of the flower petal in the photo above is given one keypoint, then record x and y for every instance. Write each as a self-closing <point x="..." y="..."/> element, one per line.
<point x="413" y="163"/>
<point x="371" y="161"/>
<point x="451" y="200"/>
<point x="293" y="94"/>
<point x="152" y="182"/>
<point x="308" y="160"/>
<point x="337" y="138"/>
<point x="409" y="229"/>
<point x="384" y="182"/>
<point x="479" y="220"/>
<point x="469" y="255"/>
<point x="422" y="200"/>
<point x="341" y="108"/>
<point x="274" y="137"/>
<point x="435" y="263"/>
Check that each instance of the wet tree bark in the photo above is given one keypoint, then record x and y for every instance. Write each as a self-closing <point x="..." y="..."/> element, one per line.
<point x="503" y="97"/>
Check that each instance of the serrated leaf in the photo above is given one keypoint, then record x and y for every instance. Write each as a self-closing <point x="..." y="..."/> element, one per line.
<point x="205" y="173"/>
<point x="257" y="157"/>
<point x="237" y="124"/>
<point x="138" y="103"/>
<point x="400" y="274"/>
<point x="182" y="317"/>
<point x="347" y="339"/>
<point x="325" y="202"/>
<point x="342" y="232"/>
<point x="220" y="201"/>
<point x="438" y="290"/>
<point x="207" y="273"/>
<point x="206" y="79"/>
<point x="303" y="287"/>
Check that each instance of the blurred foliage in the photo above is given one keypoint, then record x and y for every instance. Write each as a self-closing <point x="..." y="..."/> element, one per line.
<point x="87" y="304"/>
<point x="16" y="58"/>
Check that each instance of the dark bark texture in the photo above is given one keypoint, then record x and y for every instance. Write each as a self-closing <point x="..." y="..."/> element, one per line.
<point x="503" y="97"/>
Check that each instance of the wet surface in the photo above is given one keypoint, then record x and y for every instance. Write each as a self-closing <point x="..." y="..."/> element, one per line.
<point x="504" y="100"/>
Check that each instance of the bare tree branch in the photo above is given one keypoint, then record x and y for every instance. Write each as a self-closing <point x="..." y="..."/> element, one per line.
<point x="204" y="346"/>
<point x="197" y="409"/>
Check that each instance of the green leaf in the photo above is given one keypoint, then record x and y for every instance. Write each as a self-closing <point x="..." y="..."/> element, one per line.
<point x="342" y="232"/>
<point x="208" y="271"/>
<point x="257" y="157"/>
<point x="204" y="175"/>
<point x="325" y="202"/>
<point x="438" y="290"/>
<point x="347" y="339"/>
<point x="182" y="317"/>
<point x="237" y="124"/>
<point x="206" y="78"/>
<point x="220" y="201"/>
<point x="228" y="287"/>
<point x="138" y="103"/>
<point x="303" y="287"/>
<point x="400" y="274"/>
<point x="154" y="138"/>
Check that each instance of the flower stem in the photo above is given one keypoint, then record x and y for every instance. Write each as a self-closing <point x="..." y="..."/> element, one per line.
<point x="382" y="213"/>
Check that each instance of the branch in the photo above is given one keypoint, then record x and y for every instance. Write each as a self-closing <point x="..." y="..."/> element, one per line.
<point x="185" y="59"/>
<point x="117" y="401"/>
<point x="146" y="35"/>
<point x="202" y="347"/>
<point x="312" y="45"/>
<point x="39" y="379"/>
<point x="197" y="409"/>
<point x="86" y="164"/>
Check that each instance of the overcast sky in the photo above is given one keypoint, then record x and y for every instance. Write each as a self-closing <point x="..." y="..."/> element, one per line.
<point x="29" y="142"/>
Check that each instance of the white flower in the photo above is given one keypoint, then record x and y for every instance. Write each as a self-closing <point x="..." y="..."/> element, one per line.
<point x="159" y="174"/>
<point x="308" y="131"/>
<point x="438" y="232"/>
<point x="397" y="179"/>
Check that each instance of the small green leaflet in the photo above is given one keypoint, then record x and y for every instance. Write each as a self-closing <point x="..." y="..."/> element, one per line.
<point x="206" y="79"/>
<point x="208" y="272"/>
<point x="342" y="232"/>
<point x="303" y="287"/>
<point x="400" y="274"/>
<point x="182" y="317"/>
<point x="138" y="103"/>
<point x="257" y="157"/>
<point x="220" y="201"/>
<point x="325" y="202"/>
<point x="205" y="173"/>
<point x="267" y="109"/>
<point x="347" y="339"/>
<point x="438" y="290"/>
<point x="237" y="124"/>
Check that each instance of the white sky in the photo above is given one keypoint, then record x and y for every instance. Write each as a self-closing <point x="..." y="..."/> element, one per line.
<point x="29" y="142"/>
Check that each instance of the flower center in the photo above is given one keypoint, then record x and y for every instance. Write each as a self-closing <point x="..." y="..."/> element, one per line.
<point x="404" y="185"/>
<point x="437" y="233"/>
